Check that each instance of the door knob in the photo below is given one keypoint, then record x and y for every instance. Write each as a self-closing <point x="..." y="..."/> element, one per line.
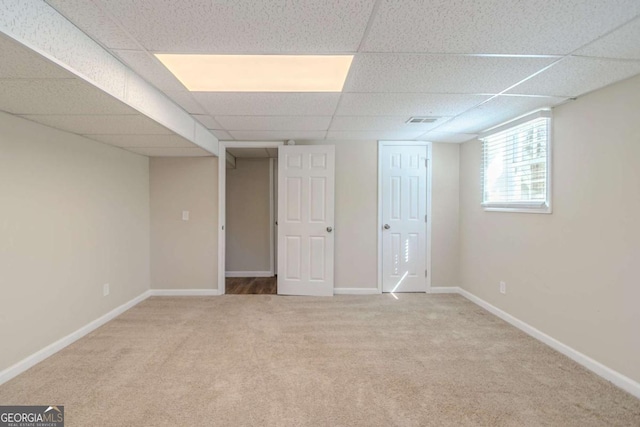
<point x="329" y="229"/>
<point x="387" y="226"/>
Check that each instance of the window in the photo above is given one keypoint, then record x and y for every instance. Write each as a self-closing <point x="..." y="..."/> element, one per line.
<point x="516" y="167"/>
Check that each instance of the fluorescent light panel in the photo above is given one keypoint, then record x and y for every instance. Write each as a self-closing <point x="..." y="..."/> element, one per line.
<point x="259" y="73"/>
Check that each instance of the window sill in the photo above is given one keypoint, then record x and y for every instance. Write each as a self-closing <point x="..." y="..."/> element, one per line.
<point x="517" y="208"/>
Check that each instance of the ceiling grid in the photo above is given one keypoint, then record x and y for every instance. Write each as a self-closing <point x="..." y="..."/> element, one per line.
<point x="471" y="65"/>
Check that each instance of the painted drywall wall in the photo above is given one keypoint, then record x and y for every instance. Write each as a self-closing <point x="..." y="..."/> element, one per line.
<point x="184" y="254"/>
<point x="356" y="244"/>
<point x="248" y="244"/>
<point x="75" y="215"/>
<point x="572" y="274"/>
<point x="445" y="204"/>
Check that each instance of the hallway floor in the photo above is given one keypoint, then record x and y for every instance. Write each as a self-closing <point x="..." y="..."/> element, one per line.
<point x="251" y="286"/>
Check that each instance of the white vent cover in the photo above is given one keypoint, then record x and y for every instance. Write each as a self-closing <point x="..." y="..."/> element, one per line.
<point x="421" y="119"/>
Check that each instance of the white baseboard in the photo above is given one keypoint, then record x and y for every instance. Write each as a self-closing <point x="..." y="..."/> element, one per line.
<point x="443" y="290"/>
<point x="184" y="292"/>
<point x="248" y="274"/>
<point x="40" y="355"/>
<point x="625" y="383"/>
<point x="356" y="291"/>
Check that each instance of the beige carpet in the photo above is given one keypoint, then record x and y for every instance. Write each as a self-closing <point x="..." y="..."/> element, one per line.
<point x="342" y="361"/>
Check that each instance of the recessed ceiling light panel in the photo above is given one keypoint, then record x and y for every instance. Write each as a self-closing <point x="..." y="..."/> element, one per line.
<point x="259" y="73"/>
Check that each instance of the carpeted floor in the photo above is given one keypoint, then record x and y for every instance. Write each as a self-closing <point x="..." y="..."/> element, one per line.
<point x="263" y="360"/>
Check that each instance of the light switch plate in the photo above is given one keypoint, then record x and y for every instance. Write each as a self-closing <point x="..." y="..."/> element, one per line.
<point x="185" y="215"/>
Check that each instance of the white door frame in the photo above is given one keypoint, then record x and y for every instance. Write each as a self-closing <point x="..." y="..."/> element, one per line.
<point x="428" y="223"/>
<point x="222" y="204"/>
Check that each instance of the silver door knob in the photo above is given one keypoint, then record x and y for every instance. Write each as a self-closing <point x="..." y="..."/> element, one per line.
<point x="387" y="226"/>
<point x="329" y="229"/>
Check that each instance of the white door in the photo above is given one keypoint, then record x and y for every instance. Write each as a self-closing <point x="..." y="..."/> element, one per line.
<point x="305" y="219"/>
<point x="404" y="216"/>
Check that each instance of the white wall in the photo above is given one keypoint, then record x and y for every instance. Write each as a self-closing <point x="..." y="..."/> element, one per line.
<point x="572" y="274"/>
<point x="75" y="215"/>
<point x="184" y="254"/>
<point x="248" y="223"/>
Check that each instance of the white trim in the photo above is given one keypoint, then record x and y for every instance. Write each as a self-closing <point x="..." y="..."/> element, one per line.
<point x="444" y="290"/>
<point x="222" y="207"/>
<point x="248" y="274"/>
<point x="222" y="188"/>
<point x="625" y="383"/>
<point x="515" y="122"/>
<point x="254" y="144"/>
<point x="428" y="145"/>
<point x="271" y="220"/>
<point x="356" y="291"/>
<point x="51" y="349"/>
<point x="429" y="216"/>
<point x="184" y="292"/>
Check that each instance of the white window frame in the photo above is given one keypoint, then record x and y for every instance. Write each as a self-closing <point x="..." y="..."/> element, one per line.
<point x="523" y="206"/>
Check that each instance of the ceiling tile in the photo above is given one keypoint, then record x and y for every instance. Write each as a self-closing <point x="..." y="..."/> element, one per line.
<point x="494" y="26"/>
<point x="575" y="76"/>
<point x="623" y="43"/>
<point x="149" y="68"/>
<point x="222" y="135"/>
<point x="142" y="140"/>
<point x="19" y="62"/>
<point x="101" y="124"/>
<point x="186" y="100"/>
<point x="242" y="26"/>
<point x="57" y="96"/>
<point x="268" y="104"/>
<point x="274" y="122"/>
<point x="406" y="104"/>
<point x="208" y="121"/>
<point x="439" y="73"/>
<point x="170" y="151"/>
<point x="496" y="111"/>
<point x="240" y="153"/>
<point x="93" y="21"/>
<point x="265" y="135"/>
<point x="435" y="136"/>
<point x="369" y="123"/>
<point x="392" y="135"/>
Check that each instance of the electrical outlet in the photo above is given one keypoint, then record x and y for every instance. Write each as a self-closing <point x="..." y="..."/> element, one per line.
<point x="185" y="215"/>
<point x="105" y="289"/>
<point x="503" y="288"/>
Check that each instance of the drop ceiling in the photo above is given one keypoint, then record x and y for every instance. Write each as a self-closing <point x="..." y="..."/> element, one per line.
<point x="472" y="64"/>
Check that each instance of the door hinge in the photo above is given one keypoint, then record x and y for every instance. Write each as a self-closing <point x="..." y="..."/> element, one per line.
<point x="425" y="218"/>
<point x="425" y="273"/>
<point x="426" y="163"/>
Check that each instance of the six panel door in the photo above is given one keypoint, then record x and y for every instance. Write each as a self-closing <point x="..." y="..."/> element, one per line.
<point x="305" y="219"/>
<point x="404" y="209"/>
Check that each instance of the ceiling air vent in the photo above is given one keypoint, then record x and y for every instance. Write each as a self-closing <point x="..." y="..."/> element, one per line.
<point x="421" y="119"/>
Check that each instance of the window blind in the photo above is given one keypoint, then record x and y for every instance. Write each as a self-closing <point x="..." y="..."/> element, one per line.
<point x="515" y="164"/>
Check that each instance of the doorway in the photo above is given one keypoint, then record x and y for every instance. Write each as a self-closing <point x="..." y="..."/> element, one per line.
<point x="404" y="205"/>
<point x="305" y="211"/>
<point x="250" y="221"/>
